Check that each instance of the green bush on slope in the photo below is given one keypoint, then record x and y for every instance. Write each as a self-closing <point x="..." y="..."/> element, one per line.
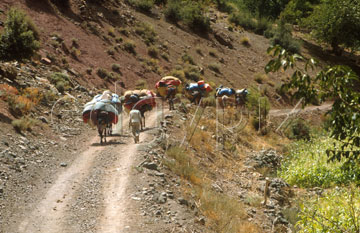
<point x="20" y="39"/>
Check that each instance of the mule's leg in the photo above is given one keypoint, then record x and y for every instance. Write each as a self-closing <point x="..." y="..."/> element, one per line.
<point x="101" y="136"/>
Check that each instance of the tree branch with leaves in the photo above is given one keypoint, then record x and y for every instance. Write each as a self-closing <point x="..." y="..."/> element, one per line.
<point x="339" y="84"/>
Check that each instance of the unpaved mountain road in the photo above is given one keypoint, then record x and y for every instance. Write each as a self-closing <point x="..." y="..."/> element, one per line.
<point x="92" y="194"/>
<point x="281" y="112"/>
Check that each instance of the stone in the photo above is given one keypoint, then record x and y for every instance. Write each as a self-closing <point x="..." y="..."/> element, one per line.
<point x="182" y="201"/>
<point x="201" y="220"/>
<point x="150" y="166"/>
<point x="43" y="119"/>
<point x="46" y="61"/>
<point x="159" y="174"/>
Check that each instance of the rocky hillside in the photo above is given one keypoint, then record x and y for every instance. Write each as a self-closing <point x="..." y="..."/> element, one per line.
<point x="100" y="44"/>
<point x="206" y="177"/>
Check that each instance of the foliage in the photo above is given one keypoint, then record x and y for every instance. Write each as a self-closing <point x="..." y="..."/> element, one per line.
<point x="254" y="99"/>
<point x="20" y="39"/>
<point x="224" y="6"/>
<point x="296" y="10"/>
<point x="7" y="91"/>
<point x="265" y="8"/>
<point x="248" y="22"/>
<point x="104" y="74"/>
<point x="193" y="16"/>
<point x="186" y="58"/>
<point x="192" y="72"/>
<point x="153" y="52"/>
<point x="141" y="84"/>
<point x="61" y="81"/>
<point x="24" y="123"/>
<point x="243" y="19"/>
<point x="192" y="13"/>
<point x="335" y="211"/>
<point x="283" y="37"/>
<point x="33" y="94"/>
<point x="143" y="5"/>
<point x="337" y="23"/>
<point x="215" y="67"/>
<point x="299" y="129"/>
<point x="130" y="46"/>
<point x="116" y="68"/>
<point x="336" y="83"/>
<point x="147" y="33"/>
<point x="173" y="11"/>
<point x="307" y="165"/>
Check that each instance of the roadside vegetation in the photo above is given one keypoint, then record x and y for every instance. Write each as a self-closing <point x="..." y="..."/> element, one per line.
<point x="331" y="162"/>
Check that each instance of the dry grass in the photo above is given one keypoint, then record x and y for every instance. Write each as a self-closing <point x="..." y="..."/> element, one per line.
<point x="23" y="124"/>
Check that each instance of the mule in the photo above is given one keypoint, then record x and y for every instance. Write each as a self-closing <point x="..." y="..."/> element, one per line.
<point x="102" y="124"/>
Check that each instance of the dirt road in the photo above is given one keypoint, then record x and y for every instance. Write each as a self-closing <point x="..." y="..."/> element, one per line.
<point x="91" y="194"/>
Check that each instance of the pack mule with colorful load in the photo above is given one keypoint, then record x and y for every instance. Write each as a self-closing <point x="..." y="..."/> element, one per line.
<point x="167" y="88"/>
<point x="102" y="111"/>
<point x="228" y="96"/>
<point x="142" y="100"/>
<point x="195" y="91"/>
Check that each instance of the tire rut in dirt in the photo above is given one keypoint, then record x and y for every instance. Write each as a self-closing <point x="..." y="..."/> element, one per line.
<point x="87" y="205"/>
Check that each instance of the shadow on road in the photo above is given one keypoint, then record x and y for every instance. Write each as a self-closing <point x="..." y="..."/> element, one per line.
<point x="112" y="142"/>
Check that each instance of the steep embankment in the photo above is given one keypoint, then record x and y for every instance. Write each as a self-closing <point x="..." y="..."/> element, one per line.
<point x="137" y="49"/>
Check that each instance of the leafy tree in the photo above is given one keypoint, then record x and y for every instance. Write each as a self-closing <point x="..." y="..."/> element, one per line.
<point x="296" y="10"/>
<point x="266" y="8"/>
<point x="337" y="83"/>
<point x="20" y="38"/>
<point x="336" y="23"/>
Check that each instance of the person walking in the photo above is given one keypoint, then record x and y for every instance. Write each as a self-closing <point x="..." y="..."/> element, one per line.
<point x="135" y="124"/>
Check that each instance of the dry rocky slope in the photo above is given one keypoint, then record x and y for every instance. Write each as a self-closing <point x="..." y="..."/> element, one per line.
<point x="61" y="154"/>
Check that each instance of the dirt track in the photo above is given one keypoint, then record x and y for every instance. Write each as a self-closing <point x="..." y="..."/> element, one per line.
<point x="91" y="194"/>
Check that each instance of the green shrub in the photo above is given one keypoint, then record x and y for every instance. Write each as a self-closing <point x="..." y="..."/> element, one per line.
<point x="299" y="129"/>
<point x="215" y="67"/>
<point x="245" y="41"/>
<point x="186" y="58"/>
<point x="254" y="98"/>
<point x="111" y="32"/>
<point x="192" y="15"/>
<point x="262" y="25"/>
<point x="334" y="211"/>
<point x="173" y="11"/>
<point x="212" y="53"/>
<point x="179" y="74"/>
<point x="147" y="33"/>
<point x="23" y="124"/>
<point x="130" y="46"/>
<point x="307" y="165"/>
<point x="209" y="101"/>
<point x="283" y="37"/>
<point x="116" y="68"/>
<point x="61" y="81"/>
<point x="104" y="74"/>
<point x="141" y="84"/>
<point x="261" y="78"/>
<point x="20" y="39"/>
<point x="153" y="52"/>
<point x="225" y="6"/>
<point x="75" y="53"/>
<point x="124" y="31"/>
<point x="244" y="20"/>
<point x="143" y="5"/>
<point x="111" y="51"/>
<point x="192" y="72"/>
